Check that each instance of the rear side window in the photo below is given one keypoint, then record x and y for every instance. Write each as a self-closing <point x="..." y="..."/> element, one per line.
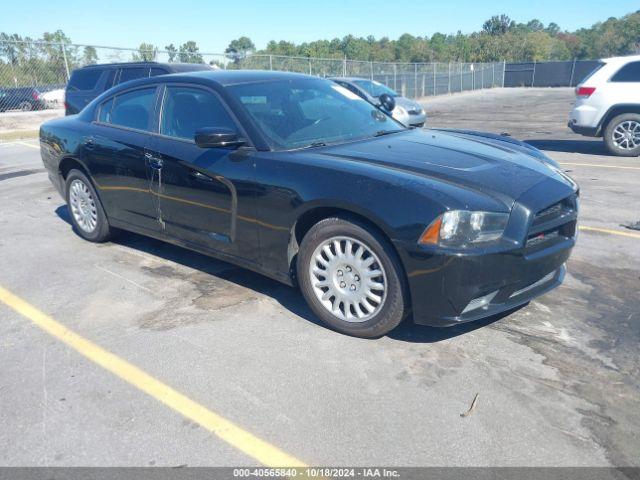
<point x="188" y="109"/>
<point x="593" y="72"/>
<point x="105" y="111"/>
<point x="133" y="73"/>
<point x="111" y="75"/>
<point x="157" y="71"/>
<point x="84" y="80"/>
<point x="132" y="109"/>
<point x="629" y="73"/>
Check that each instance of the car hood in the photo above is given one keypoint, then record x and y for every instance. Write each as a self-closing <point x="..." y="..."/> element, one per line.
<point x="500" y="169"/>
<point x="406" y="103"/>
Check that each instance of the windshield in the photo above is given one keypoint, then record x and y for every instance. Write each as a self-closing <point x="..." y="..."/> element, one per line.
<point x="375" y="89"/>
<point x="309" y="112"/>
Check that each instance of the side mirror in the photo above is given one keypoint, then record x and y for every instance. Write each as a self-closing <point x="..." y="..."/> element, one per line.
<point x="387" y="102"/>
<point x="209" y="137"/>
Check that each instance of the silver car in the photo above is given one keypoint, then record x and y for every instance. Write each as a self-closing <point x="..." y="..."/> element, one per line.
<point x="408" y="112"/>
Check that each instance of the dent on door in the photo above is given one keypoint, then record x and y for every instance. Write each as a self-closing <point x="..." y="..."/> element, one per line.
<point x="198" y="202"/>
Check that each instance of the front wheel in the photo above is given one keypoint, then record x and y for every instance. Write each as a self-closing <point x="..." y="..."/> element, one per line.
<point x="87" y="214"/>
<point x="351" y="278"/>
<point x="622" y="135"/>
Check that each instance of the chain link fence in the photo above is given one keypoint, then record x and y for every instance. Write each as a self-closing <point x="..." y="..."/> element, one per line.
<point x="33" y="75"/>
<point x="414" y="80"/>
<point x="548" y="74"/>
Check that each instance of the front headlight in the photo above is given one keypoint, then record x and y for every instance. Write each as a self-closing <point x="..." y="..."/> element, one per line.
<point x="462" y="228"/>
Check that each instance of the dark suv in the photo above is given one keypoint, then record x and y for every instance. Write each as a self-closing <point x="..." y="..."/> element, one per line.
<point x="88" y="82"/>
<point x="21" y="98"/>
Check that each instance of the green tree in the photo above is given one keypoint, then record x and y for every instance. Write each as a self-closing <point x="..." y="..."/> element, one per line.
<point x="239" y="48"/>
<point x="9" y="47"/>
<point x="535" y="25"/>
<point x="553" y="29"/>
<point x="172" y="52"/>
<point x="59" y="54"/>
<point x="190" y="53"/>
<point x="146" y="53"/>
<point x="498" y="25"/>
<point x="89" y="56"/>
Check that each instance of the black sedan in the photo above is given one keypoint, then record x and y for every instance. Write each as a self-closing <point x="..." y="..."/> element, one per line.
<point x="299" y="179"/>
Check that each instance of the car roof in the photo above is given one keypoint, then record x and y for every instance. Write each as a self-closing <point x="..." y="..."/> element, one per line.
<point x="349" y="79"/>
<point x="176" y="67"/>
<point x="624" y="59"/>
<point x="225" y="77"/>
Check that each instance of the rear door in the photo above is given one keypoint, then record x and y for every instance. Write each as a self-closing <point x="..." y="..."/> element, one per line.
<point x="206" y="194"/>
<point x="116" y="153"/>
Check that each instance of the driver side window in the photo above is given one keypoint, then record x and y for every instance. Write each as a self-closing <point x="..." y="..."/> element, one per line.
<point x="186" y="110"/>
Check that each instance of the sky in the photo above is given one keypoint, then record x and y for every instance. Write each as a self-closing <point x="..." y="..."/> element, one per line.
<point x="213" y="24"/>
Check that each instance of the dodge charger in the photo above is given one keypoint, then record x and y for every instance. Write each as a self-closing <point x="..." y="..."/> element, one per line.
<point x="301" y="180"/>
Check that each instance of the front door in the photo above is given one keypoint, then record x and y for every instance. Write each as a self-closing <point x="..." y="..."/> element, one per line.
<point x="206" y="194"/>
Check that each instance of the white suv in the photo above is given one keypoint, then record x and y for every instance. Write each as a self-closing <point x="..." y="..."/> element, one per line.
<point x="608" y="105"/>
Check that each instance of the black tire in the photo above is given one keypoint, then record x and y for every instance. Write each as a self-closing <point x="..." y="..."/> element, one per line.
<point x="102" y="231"/>
<point x="390" y="311"/>
<point x="25" y="106"/>
<point x="608" y="135"/>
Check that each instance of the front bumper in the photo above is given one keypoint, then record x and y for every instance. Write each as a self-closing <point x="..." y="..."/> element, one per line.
<point x="451" y="287"/>
<point x="496" y="282"/>
<point x="411" y="120"/>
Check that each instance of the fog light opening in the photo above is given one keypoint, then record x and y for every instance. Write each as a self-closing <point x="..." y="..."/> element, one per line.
<point x="480" y="302"/>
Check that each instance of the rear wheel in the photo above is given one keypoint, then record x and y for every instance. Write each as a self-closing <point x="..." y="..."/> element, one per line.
<point x="87" y="214"/>
<point x="622" y="135"/>
<point x="351" y="278"/>
<point x="25" y="106"/>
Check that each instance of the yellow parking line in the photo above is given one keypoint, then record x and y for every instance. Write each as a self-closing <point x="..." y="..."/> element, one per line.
<point x="599" y="165"/>
<point x="609" y="231"/>
<point x="25" y="144"/>
<point x="249" y="444"/>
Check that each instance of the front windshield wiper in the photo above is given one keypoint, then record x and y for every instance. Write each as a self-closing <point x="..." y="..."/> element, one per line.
<point x="380" y="133"/>
<point x="314" y="144"/>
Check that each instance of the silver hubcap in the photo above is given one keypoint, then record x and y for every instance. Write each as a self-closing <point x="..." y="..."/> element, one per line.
<point x="83" y="207"/>
<point x="348" y="279"/>
<point x="626" y="135"/>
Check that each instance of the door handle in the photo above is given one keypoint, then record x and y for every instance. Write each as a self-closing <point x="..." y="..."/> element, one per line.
<point x="154" y="162"/>
<point x="199" y="176"/>
<point x="89" y="143"/>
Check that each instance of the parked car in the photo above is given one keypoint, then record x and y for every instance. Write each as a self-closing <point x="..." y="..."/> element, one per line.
<point x="21" y="98"/>
<point x="54" y="98"/>
<point x="408" y="112"/>
<point x="299" y="179"/>
<point x="608" y="105"/>
<point x="88" y="82"/>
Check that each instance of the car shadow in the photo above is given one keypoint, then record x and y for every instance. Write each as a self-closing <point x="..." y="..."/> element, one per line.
<point x="586" y="147"/>
<point x="288" y="297"/>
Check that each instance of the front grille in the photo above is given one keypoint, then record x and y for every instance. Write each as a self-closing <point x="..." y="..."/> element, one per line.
<point x="553" y="224"/>
<point x="414" y="111"/>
